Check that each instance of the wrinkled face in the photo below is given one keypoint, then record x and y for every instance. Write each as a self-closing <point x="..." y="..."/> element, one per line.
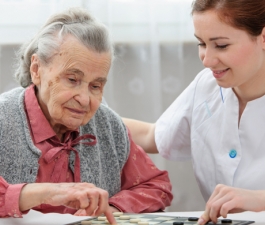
<point x="234" y="57"/>
<point x="70" y="87"/>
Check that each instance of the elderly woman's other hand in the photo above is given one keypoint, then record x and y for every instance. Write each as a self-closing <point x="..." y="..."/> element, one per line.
<point x="81" y="196"/>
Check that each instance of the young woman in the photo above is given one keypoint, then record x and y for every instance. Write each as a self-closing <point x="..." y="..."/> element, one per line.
<point x="218" y="121"/>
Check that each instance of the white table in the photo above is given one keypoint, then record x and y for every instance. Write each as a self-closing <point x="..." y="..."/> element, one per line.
<point x="37" y="218"/>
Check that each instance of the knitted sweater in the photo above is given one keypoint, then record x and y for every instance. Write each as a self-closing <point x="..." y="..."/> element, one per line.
<point x="101" y="164"/>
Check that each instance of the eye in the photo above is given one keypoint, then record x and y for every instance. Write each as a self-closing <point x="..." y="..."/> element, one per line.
<point x="221" y="46"/>
<point x="96" y="88"/>
<point x="201" y="44"/>
<point x="72" y="80"/>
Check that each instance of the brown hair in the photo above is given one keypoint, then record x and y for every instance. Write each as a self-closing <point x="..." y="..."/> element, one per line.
<point x="248" y="15"/>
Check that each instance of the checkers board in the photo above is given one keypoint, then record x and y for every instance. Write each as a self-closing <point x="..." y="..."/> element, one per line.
<point x="149" y="219"/>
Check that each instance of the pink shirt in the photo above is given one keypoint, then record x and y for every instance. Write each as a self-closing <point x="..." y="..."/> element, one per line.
<point x="146" y="191"/>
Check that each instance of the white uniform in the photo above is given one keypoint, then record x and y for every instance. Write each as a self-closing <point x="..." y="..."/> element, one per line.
<point x="202" y="125"/>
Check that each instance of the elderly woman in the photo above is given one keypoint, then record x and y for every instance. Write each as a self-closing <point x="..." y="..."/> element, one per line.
<point x="61" y="149"/>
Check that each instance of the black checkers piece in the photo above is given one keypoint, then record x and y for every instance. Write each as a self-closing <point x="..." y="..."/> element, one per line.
<point x="226" y="221"/>
<point x="193" y="219"/>
<point x="178" y="223"/>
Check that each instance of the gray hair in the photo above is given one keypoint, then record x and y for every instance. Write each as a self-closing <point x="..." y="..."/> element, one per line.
<point x="75" y="21"/>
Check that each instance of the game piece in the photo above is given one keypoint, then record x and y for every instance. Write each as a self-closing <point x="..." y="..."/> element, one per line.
<point x="155" y="219"/>
<point x="178" y="223"/>
<point x="143" y="223"/>
<point x="117" y="213"/>
<point x="226" y="221"/>
<point x="84" y="222"/>
<point x="135" y="220"/>
<point x="102" y="218"/>
<point x="193" y="219"/>
<point x="124" y="217"/>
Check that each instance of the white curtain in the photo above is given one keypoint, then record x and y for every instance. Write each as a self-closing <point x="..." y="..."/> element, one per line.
<point x="156" y="58"/>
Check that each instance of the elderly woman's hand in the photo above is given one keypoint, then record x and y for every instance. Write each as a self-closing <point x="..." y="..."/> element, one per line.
<point x="86" y="196"/>
<point x="82" y="212"/>
<point x="226" y="199"/>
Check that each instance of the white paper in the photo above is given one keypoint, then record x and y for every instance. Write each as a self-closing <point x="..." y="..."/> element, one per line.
<point x="36" y="218"/>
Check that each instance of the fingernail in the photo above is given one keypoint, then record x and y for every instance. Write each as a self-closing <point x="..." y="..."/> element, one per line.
<point x="201" y="221"/>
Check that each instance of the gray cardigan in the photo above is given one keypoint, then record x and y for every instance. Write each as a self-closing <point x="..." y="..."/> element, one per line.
<point x="100" y="164"/>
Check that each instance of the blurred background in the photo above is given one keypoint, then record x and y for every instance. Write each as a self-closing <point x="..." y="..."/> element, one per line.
<point x="156" y="58"/>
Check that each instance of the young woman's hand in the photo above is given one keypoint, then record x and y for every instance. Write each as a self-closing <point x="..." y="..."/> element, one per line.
<point x="227" y="199"/>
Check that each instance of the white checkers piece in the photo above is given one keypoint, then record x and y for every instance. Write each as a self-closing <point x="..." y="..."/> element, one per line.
<point x="124" y="217"/>
<point x="135" y="220"/>
<point x="86" y="222"/>
<point x="143" y="223"/>
<point x="102" y="218"/>
<point x="117" y="213"/>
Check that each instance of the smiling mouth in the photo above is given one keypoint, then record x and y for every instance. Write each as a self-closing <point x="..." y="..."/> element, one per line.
<point x="219" y="73"/>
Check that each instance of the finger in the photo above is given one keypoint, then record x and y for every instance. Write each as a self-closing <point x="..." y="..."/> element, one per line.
<point x="214" y="210"/>
<point x="209" y="213"/>
<point x="228" y="207"/>
<point x="204" y="218"/>
<point x="93" y="202"/>
<point x="110" y="217"/>
<point x="218" y="204"/>
<point x="213" y="195"/>
<point x="83" y="201"/>
<point x="80" y="212"/>
<point x="220" y="196"/>
<point x="103" y="203"/>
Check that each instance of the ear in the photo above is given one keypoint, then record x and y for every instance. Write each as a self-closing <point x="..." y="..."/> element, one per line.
<point x="35" y="69"/>
<point x="263" y="37"/>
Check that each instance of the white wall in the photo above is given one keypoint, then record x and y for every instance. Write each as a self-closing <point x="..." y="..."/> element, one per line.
<point x="20" y="19"/>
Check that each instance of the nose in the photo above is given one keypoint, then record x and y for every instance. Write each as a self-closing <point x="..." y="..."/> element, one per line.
<point x="83" y="96"/>
<point x="208" y="57"/>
